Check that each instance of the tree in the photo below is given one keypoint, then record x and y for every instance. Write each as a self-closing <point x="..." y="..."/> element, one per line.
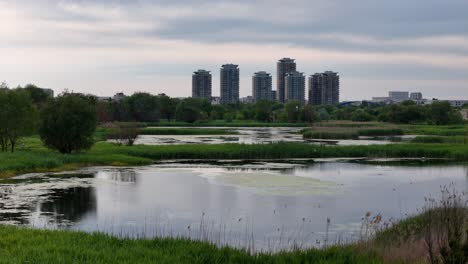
<point x="309" y="114"/>
<point x="38" y="96"/>
<point x="263" y="110"/>
<point x="188" y="110"/>
<point x="17" y="117"/>
<point x="124" y="133"/>
<point x="144" y="107"/>
<point x="361" y="116"/>
<point x="168" y="107"/>
<point x="441" y="113"/>
<point x="67" y="123"/>
<point x="292" y="110"/>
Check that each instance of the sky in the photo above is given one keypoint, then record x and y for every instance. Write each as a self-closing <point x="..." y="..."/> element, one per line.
<point x="104" y="47"/>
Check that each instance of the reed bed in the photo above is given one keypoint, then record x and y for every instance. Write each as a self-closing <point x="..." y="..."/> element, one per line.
<point x="187" y="131"/>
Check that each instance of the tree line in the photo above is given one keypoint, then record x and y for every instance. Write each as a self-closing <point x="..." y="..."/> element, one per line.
<point x="144" y="107"/>
<point x="67" y="122"/>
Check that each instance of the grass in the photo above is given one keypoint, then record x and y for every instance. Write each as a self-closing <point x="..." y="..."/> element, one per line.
<point x="222" y="123"/>
<point x="22" y="245"/>
<point x="334" y="132"/>
<point x="440" y="139"/>
<point x="187" y="131"/>
<point x="33" y="157"/>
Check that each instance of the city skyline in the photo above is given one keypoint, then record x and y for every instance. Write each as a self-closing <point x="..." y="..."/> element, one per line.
<point x="105" y="47"/>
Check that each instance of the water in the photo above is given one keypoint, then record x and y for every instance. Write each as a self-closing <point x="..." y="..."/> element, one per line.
<point x="250" y="135"/>
<point x="261" y="205"/>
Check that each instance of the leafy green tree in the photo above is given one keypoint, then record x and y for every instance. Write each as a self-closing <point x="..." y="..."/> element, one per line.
<point x="323" y="114"/>
<point x="361" y="116"/>
<point x="67" y="123"/>
<point x="292" y="110"/>
<point x="263" y="110"/>
<point x="441" y="113"/>
<point x="38" y="96"/>
<point x="144" y="107"/>
<point x="188" y="110"/>
<point x="168" y="107"/>
<point x="309" y="114"/>
<point x="17" y="117"/>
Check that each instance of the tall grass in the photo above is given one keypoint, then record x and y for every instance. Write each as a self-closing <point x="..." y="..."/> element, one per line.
<point x="187" y="131"/>
<point x="222" y="123"/>
<point x="34" y="157"/>
<point x="22" y="245"/>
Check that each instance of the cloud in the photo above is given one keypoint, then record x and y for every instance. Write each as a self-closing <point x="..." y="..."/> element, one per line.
<point x="122" y="40"/>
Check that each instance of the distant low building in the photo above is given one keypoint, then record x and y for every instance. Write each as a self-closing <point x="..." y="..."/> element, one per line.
<point x="383" y="100"/>
<point x="415" y="96"/>
<point x="457" y="103"/>
<point x="464" y="113"/>
<point x="118" y="97"/>
<point x="398" y="96"/>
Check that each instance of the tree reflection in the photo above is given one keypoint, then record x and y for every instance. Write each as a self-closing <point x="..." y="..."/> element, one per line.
<point x="68" y="205"/>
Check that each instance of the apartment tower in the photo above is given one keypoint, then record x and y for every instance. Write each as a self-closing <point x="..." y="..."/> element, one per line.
<point x="294" y="83"/>
<point x="201" y="84"/>
<point x="324" y="88"/>
<point x="283" y="67"/>
<point x="261" y="86"/>
<point x="229" y="84"/>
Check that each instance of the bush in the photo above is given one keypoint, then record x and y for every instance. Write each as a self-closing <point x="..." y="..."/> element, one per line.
<point x="125" y="133"/>
<point x="67" y="123"/>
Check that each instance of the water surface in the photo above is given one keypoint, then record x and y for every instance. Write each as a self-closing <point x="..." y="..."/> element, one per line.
<point x="260" y="205"/>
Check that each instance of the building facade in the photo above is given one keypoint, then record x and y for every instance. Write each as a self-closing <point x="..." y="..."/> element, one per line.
<point x="294" y="83"/>
<point x="397" y="96"/>
<point x="415" y="96"/>
<point x="324" y="88"/>
<point x="201" y="84"/>
<point x="283" y="67"/>
<point x="261" y="86"/>
<point x="229" y="84"/>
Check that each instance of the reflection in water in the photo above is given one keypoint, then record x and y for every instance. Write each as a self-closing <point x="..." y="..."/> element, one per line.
<point x="267" y="205"/>
<point x="255" y="135"/>
<point x="66" y="206"/>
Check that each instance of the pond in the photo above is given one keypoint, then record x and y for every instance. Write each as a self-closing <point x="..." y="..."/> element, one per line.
<point x="264" y="205"/>
<point x="252" y="135"/>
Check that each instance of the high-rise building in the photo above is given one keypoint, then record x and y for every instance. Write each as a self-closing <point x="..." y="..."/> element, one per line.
<point x="324" y="88"/>
<point x="284" y="66"/>
<point x="201" y="84"/>
<point x="294" y="83"/>
<point x="229" y="84"/>
<point x="261" y="86"/>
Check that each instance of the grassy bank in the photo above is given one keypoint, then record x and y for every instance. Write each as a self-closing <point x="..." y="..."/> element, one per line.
<point x="222" y="123"/>
<point x="20" y="245"/>
<point x="33" y="157"/>
<point x="187" y="131"/>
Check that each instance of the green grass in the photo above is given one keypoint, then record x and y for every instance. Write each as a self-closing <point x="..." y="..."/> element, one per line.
<point x="33" y="157"/>
<point x="187" y="131"/>
<point x="22" y="245"/>
<point x="222" y="123"/>
<point x="440" y="139"/>
<point x="348" y="132"/>
<point x="311" y="134"/>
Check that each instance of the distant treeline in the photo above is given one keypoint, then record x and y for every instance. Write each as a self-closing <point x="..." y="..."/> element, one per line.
<point x="144" y="107"/>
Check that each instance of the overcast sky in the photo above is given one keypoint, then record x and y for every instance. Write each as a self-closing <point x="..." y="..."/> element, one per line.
<point x="104" y="47"/>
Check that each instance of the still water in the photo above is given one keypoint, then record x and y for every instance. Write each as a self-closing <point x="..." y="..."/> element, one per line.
<point x="251" y="135"/>
<point x="260" y="205"/>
